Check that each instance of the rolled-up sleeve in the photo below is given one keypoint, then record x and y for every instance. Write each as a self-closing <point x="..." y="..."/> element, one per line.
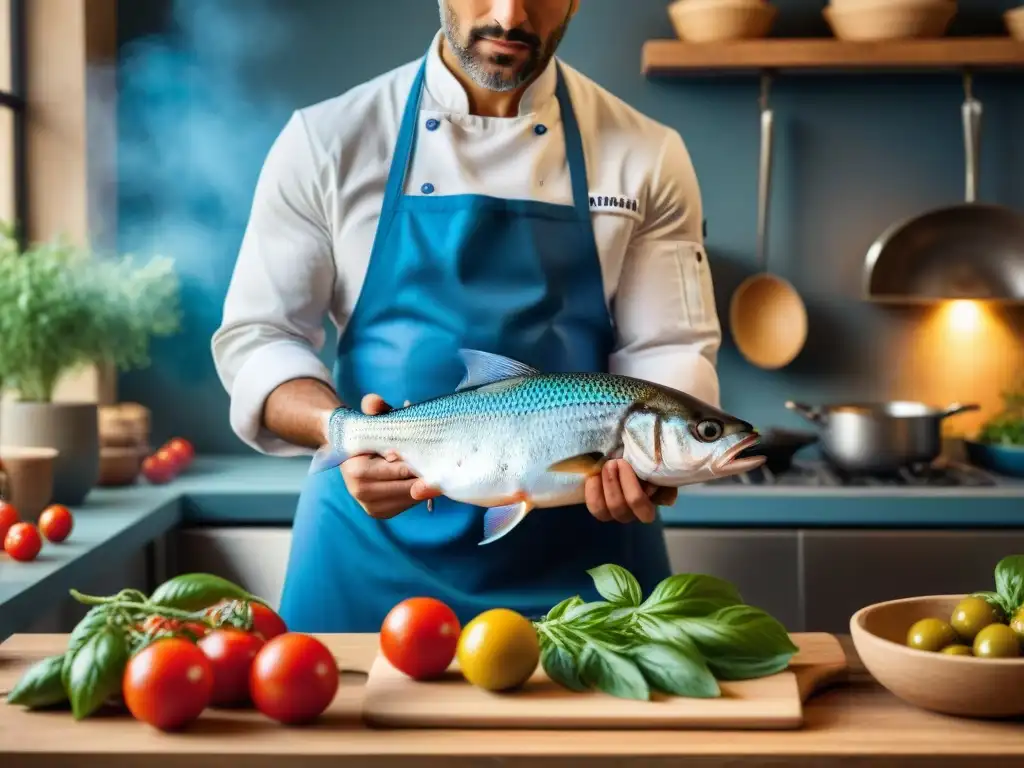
<point x="280" y="291"/>
<point x="664" y="309"/>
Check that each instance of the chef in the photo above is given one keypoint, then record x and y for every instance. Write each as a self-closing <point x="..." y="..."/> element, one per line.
<point x="486" y="195"/>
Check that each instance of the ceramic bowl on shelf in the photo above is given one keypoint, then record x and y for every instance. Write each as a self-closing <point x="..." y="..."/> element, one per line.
<point x="29" y="479"/>
<point x="1002" y="459"/>
<point x="1014" y="19"/>
<point x="964" y="686"/>
<point x="714" y="21"/>
<point x="119" y="465"/>
<point x="890" y="20"/>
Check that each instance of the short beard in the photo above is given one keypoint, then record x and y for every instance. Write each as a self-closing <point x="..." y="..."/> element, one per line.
<point x="475" y="65"/>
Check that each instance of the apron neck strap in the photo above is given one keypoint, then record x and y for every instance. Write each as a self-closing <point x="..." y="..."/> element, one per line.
<point x="406" y="143"/>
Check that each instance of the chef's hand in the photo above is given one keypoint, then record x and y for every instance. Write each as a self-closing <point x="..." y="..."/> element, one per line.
<point x="383" y="485"/>
<point x="618" y="494"/>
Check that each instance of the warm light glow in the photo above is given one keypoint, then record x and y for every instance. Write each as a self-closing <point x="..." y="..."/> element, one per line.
<point x="963" y="315"/>
<point x="963" y="352"/>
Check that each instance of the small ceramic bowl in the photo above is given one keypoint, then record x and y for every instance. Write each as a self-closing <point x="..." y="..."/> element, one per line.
<point x="1014" y="19"/>
<point x="903" y="20"/>
<point x="954" y="685"/>
<point x="29" y="479"/>
<point x="119" y="466"/>
<point x="714" y="21"/>
<point x="1002" y="459"/>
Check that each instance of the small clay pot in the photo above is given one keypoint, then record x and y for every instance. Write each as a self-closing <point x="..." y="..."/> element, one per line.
<point x="29" y="485"/>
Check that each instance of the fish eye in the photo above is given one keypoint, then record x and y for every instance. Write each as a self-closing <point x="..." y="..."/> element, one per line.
<point x="709" y="430"/>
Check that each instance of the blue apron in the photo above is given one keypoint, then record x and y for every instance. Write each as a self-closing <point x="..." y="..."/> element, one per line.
<point x="519" y="278"/>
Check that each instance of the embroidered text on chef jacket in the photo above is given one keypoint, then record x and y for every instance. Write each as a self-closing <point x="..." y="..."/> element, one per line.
<point x="316" y="205"/>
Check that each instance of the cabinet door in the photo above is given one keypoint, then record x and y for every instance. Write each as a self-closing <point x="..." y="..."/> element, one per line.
<point x="846" y="570"/>
<point x="255" y="558"/>
<point x="764" y="566"/>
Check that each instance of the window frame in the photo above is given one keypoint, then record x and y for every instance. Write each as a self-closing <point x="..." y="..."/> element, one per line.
<point x="16" y="100"/>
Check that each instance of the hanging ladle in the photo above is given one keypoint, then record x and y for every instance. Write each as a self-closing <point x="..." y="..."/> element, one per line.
<point x="767" y="316"/>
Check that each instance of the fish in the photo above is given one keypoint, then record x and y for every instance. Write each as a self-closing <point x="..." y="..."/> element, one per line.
<point x="512" y="439"/>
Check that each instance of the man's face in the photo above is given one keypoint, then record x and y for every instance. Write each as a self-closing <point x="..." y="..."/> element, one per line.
<point x="501" y="44"/>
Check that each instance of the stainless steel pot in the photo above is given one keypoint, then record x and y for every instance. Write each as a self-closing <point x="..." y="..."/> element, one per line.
<point x="879" y="437"/>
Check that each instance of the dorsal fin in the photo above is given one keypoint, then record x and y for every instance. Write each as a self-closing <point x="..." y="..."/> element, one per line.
<point x="486" y="368"/>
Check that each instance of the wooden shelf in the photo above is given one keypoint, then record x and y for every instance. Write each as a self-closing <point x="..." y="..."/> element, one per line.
<point x="672" y="57"/>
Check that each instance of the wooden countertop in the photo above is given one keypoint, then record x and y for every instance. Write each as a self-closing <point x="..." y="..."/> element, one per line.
<point x="855" y="723"/>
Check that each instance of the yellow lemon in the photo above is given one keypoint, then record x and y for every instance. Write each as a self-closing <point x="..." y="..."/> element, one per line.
<point x="498" y="650"/>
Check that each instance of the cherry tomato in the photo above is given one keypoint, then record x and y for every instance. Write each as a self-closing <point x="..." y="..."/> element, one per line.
<point x="23" y="542"/>
<point x="8" y="517"/>
<point x="182" y="451"/>
<point x="56" y="522"/>
<point x="294" y="678"/>
<point x="231" y="653"/>
<point x="419" y="637"/>
<point x="168" y="683"/>
<point x="266" y="623"/>
<point x="158" y="470"/>
<point x="154" y="624"/>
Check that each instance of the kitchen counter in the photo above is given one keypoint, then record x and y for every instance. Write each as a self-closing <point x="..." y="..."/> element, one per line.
<point x="259" y="491"/>
<point x="856" y="722"/>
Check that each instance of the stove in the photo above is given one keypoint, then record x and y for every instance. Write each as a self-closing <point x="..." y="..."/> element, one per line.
<point x="821" y="473"/>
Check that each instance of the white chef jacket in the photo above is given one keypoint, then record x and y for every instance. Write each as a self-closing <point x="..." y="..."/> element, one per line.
<point x="318" y="198"/>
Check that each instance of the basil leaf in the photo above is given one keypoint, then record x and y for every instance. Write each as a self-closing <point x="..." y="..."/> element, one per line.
<point x="612" y="673"/>
<point x="93" y="621"/>
<point x="193" y="591"/>
<point x="40" y="686"/>
<point x="96" y="672"/>
<point x="587" y="614"/>
<point x="616" y="585"/>
<point x="1010" y="581"/>
<point x="740" y="642"/>
<point x="678" y="670"/>
<point x="691" y="594"/>
<point x="996" y="601"/>
<point x="560" y="666"/>
<point x="559" y="610"/>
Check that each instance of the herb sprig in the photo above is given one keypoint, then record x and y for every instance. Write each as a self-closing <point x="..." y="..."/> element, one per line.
<point x="690" y="632"/>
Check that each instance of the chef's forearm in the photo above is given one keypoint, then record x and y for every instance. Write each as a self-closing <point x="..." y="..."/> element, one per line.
<point x="297" y="411"/>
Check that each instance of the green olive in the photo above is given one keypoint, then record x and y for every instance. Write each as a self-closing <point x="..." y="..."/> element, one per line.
<point x="957" y="650"/>
<point x="1017" y="624"/>
<point x="997" y="641"/>
<point x="930" y="635"/>
<point x="972" y="615"/>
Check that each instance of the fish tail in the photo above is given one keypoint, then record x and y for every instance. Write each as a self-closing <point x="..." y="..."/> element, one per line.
<point x="332" y="454"/>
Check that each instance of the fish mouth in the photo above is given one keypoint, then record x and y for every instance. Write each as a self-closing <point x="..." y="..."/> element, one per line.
<point x="732" y="461"/>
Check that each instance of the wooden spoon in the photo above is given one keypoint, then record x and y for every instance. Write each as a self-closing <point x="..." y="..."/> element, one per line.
<point x="767" y="316"/>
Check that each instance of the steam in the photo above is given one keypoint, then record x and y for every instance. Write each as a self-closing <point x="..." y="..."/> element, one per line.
<point x="190" y="135"/>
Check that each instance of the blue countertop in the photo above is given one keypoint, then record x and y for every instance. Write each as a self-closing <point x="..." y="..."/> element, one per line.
<point x="263" y="491"/>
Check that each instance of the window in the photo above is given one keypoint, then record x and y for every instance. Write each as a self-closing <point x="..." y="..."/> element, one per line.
<point x="13" y="173"/>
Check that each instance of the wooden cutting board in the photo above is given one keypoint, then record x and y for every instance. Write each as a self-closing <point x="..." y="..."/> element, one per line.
<point x="776" y="702"/>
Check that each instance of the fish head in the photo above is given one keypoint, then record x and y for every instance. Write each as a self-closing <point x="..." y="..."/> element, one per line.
<point x="683" y="441"/>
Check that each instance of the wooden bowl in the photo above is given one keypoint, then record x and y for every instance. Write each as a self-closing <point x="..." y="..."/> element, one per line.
<point x="954" y="685"/>
<point x="119" y="466"/>
<point x="768" y="321"/>
<point x="1014" y="19"/>
<point x="895" y="20"/>
<point x="712" y="21"/>
<point x="29" y="479"/>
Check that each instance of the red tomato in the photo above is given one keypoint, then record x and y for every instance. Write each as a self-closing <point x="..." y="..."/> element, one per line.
<point x="158" y="470"/>
<point x="266" y="623"/>
<point x="56" y="522"/>
<point x="182" y="451"/>
<point x="231" y="652"/>
<point x="419" y="637"/>
<point x="294" y="678"/>
<point x="168" y="683"/>
<point x="8" y="517"/>
<point x="23" y="542"/>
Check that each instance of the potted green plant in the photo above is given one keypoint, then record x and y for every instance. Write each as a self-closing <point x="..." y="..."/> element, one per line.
<point x="63" y="307"/>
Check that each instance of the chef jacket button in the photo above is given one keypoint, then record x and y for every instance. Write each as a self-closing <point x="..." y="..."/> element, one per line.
<point x="540" y="130"/>
<point x="427" y="188"/>
<point x="433" y="124"/>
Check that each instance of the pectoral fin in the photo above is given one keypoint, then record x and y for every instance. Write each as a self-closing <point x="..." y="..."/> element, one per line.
<point x="588" y="464"/>
<point x="498" y="521"/>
